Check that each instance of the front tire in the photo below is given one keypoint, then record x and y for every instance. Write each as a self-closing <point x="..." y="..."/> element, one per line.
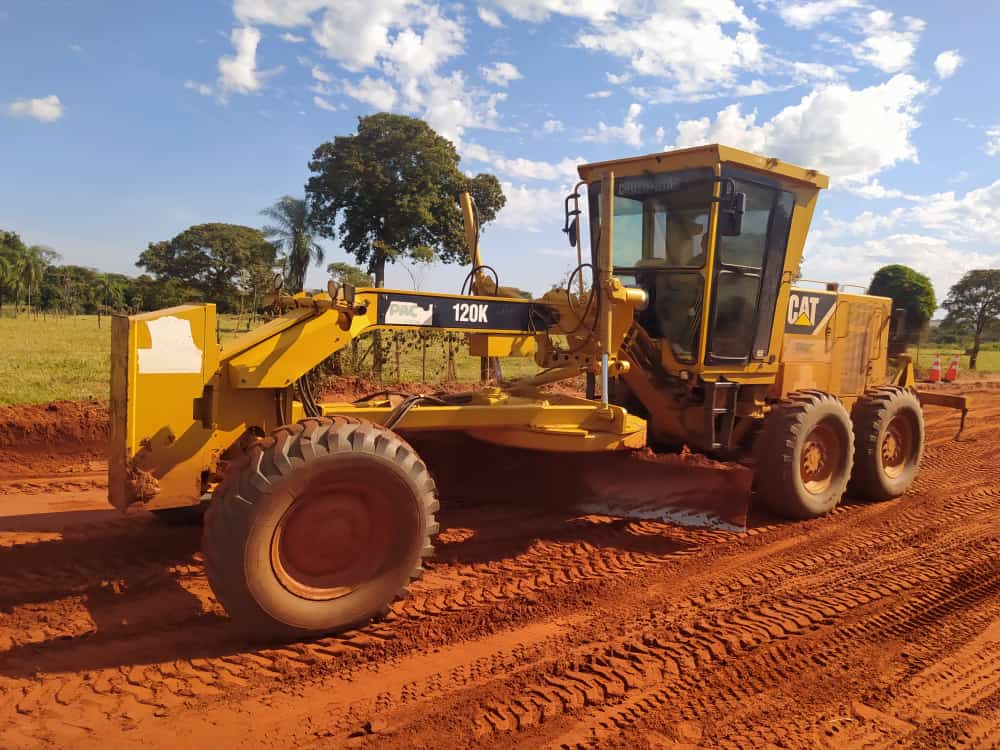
<point x="804" y="455"/>
<point x="319" y="529"/>
<point x="888" y="443"/>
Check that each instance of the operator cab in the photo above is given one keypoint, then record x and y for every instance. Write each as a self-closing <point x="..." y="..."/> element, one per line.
<point x="707" y="244"/>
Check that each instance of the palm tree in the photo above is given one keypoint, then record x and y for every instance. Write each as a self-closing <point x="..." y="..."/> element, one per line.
<point x="291" y="232"/>
<point x="29" y="272"/>
<point x="6" y="277"/>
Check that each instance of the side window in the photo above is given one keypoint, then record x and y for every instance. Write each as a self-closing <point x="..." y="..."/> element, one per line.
<point x="748" y="275"/>
<point x="747" y="250"/>
<point x="628" y="231"/>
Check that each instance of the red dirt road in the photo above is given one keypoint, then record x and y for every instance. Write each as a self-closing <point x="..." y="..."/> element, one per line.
<point x="876" y="626"/>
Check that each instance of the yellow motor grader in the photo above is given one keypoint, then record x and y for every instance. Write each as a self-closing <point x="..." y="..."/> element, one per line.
<point x="694" y="332"/>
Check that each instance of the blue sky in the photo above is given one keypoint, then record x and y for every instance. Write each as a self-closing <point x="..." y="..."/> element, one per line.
<point x="124" y="122"/>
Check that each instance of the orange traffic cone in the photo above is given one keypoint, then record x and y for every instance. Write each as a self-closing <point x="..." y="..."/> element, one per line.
<point x="952" y="374"/>
<point x="934" y="376"/>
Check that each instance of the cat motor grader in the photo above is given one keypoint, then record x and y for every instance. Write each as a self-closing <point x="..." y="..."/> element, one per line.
<point x="692" y="333"/>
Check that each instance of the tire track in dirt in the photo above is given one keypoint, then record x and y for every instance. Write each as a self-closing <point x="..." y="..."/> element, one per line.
<point x="621" y="670"/>
<point x="482" y="586"/>
<point x="978" y="500"/>
<point x="173" y="682"/>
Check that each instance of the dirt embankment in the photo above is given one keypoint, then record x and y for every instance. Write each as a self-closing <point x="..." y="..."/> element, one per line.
<point x="61" y="437"/>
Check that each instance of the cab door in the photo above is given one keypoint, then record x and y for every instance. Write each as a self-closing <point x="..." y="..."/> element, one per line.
<point x="746" y="273"/>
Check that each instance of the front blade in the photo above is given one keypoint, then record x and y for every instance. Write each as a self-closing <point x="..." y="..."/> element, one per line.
<point x="686" y="489"/>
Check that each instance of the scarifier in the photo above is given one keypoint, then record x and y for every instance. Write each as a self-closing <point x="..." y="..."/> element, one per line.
<point x="690" y="334"/>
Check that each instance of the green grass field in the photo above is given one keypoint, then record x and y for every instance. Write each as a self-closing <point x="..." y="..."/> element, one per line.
<point x="52" y="358"/>
<point x="989" y="360"/>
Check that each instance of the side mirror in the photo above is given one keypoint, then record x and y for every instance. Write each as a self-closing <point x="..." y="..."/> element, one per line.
<point x="572" y="214"/>
<point x="332" y="288"/>
<point x="571" y="231"/>
<point x="732" y="206"/>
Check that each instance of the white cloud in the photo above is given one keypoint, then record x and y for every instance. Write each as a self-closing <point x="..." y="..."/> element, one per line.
<point x="552" y="126"/>
<point x="807" y="15"/>
<point x="699" y="47"/>
<point x="276" y="12"/>
<point x="376" y="92"/>
<point x="202" y="88"/>
<point x="993" y="140"/>
<point x="661" y="133"/>
<point x="947" y="63"/>
<point x="531" y="208"/>
<point x="489" y="17"/>
<point x="397" y="49"/>
<point x="44" y="109"/>
<point x="292" y="38"/>
<point x="887" y="45"/>
<point x="322" y="103"/>
<point x="602" y="94"/>
<point x="874" y="189"/>
<point x="973" y="217"/>
<point x="806" y="71"/>
<point x="524" y="169"/>
<point x="320" y="75"/>
<point x="867" y="223"/>
<point x="76" y="48"/>
<point x="539" y="10"/>
<point x="941" y="259"/>
<point x="850" y="134"/>
<point x="617" y="80"/>
<point x="360" y="35"/>
<point x="630" y="131"/>
<point x="500" y="74"/>
<point x="239" y="72"/>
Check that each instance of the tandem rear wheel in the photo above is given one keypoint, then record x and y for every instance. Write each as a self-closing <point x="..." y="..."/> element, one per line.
<point x="320" y="528"/>
<point x="811" y="451"/>
<point x="804" y="455"/>
<point x="888" y="443"/>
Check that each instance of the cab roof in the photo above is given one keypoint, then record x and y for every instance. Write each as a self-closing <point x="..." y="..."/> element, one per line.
<point x="703" y="156"/>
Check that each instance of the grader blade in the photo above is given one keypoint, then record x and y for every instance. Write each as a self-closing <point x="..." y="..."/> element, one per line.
<point x="685" y="489"/>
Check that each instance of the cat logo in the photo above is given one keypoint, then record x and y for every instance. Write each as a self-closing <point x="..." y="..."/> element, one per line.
<point x="802" y="310"/>
<point x="806" y="311"/>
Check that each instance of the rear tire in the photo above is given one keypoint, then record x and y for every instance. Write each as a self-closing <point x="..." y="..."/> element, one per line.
<point x="320" y="528"/>
<point x="888" y="443"/>
<point x="804" y="455"/>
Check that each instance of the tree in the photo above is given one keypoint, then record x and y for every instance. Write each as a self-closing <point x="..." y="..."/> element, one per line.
<point x="292" y="232"/>
<point x="973" y="304"/>
<point x="209" y="259"/>
<point x="29" y="271"/>
<point x="909" y="290"/>
<point x="345" y="273"/>
<point x="391" y="190"/>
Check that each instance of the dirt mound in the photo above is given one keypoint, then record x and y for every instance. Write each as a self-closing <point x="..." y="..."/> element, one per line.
<point x="58" y="437"/>
<point x="352" y="388"/>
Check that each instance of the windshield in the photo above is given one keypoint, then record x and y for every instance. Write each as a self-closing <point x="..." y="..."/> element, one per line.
<point x="661" y="221"/>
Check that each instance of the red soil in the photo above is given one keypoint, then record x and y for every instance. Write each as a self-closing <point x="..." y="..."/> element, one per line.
<point x="535" y="626"/>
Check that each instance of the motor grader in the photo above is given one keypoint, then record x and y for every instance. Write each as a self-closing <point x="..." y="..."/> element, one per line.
<point x="695" y="331"/>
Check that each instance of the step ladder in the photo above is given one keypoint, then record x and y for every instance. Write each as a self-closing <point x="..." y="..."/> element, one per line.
<point x="720" y="414"/>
